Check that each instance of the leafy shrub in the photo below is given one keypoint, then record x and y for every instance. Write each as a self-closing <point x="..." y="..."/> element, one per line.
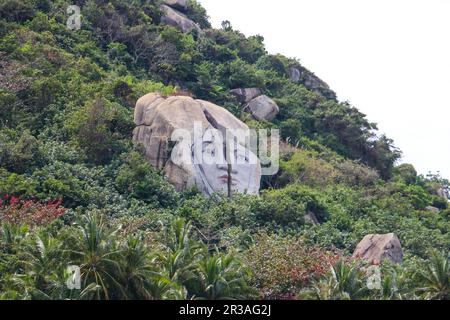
<point x="20" y="155"/>
<point x="272" y="62"/>
<point x="29" y="212"/>
<point x="13" y="183"/>
<point x="288" y="206"/>
<point x="418" y="196"/>
<point x="353" y="174"/>
<point x="77" y="185"/>
<point x="241" y="75"/>
<point x="16" y="10"/>
<point x="281" y="267"/>
<point x="439" y="202"/>
<point x="198" y="14"/>
<point x="406" y="173"/>
<point x="307" y="168"/>
<point x="138" y="179"/>
<point x="98" y="127"/>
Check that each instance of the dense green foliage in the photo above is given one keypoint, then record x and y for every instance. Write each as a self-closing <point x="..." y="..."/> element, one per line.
<point x="75" y="190"/>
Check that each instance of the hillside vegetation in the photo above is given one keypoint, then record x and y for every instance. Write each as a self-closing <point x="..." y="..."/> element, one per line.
<point x="75" y="190"/>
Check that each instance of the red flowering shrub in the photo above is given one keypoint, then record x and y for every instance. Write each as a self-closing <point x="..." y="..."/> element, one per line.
<point x="29" y="212"/>
<point x="283" y="266"/>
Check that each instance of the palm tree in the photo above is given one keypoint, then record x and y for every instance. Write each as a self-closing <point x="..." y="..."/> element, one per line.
<point x="436" y="277"/>
<point x="397" y="283"/>
<point x="344" y="282"/>
<point x="163" y="288"/>
<point x="11" y="235"/>
<point x="181" y="252"/>
<point x="41" y="259"/>
<point x="98" y="256"/>
<point x="138" y="272"/>
<point x="348" y="278"/>
<point x="221" y="276"/>
<point x="389" y="286"/>
<point x="41" y="272"/>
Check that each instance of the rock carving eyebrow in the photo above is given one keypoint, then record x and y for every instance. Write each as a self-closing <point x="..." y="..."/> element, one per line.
<point x="211" y="119"/>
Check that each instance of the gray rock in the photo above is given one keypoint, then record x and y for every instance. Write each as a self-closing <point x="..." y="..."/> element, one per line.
<point x="374" y="248"/>
<point x="432" y="209"/>
<point x="262" y="108"/>
<point x="294" y="74"/>
<point x="246" y="94"/>
<point x="299" y="74"/>
<point x="177" y="19"/>
<point x="311" y="217"/>
<point x="443" y="193"/>
<point x="177" y="4"/>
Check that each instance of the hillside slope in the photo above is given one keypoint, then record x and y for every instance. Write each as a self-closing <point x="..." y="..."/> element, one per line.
<point x="70" y="175"/>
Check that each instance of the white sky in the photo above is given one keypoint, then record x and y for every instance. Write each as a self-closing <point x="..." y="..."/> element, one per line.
<point x="389" y="58"/>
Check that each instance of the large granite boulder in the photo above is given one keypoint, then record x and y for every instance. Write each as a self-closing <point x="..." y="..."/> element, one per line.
<point x="177" y="19"/>
<point x="262" y="108"/>
<point x="179" y="133"/>
<point x="374" y="248"/>
<point x="177" y="4"/>
<point x="246" y="94"/>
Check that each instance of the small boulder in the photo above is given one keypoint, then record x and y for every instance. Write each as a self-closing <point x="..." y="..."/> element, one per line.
<point x="432" y="209"/>
<point x="311" y="217"/>
<point x="294" y="74"/>
<point x="245" y="95"/>
<point x="375" y="248"/>
<point x="177" y="4"/>
<point x="262" y="108"/>
<point x="177" y="19"/>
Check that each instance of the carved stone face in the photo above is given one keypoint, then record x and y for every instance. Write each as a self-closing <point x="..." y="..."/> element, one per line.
<point x="212" y="168"/>
<point x="160" y="120"/>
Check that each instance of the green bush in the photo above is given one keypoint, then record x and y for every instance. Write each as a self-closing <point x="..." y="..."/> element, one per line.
<point x="406" y="173"/>
<point x="98" y="128"/>
<point x="137" y="179"/>
<point x="20" y="154"/>
<point x="288" y="206"/>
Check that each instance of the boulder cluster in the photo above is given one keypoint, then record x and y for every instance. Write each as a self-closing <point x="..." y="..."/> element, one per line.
<point x="174" y="14"/>
<point x="260" y="106"/>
